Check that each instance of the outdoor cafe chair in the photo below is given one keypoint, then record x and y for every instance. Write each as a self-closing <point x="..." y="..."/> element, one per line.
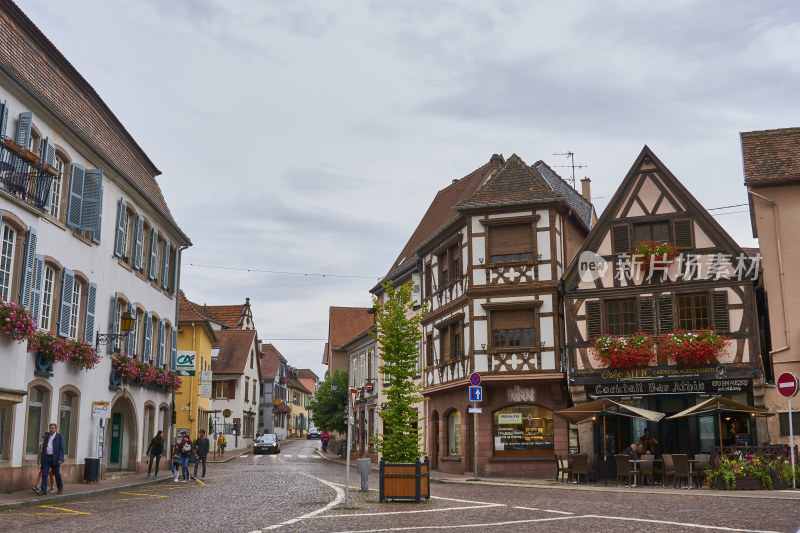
<point x="669" y="468"/>
<point x="701" y="462"/>
<point x="580" y="467"/>
<point x="562" y="468"/>
<point x="646" y="467"/>
<point x="681" y="461"/>
<point x="624" y="469"/>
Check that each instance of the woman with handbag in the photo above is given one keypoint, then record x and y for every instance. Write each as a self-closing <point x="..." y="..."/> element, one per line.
<point x="185" y="446"/>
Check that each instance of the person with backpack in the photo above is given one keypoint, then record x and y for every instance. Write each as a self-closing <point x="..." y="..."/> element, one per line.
<point x="186" y="452"/>
<point x="325" y="437"/>
<point x="154" y="451"/>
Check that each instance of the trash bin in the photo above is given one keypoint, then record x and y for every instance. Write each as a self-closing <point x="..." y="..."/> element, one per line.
<point x="363" y="466"/>
<point x="91" y="469"/>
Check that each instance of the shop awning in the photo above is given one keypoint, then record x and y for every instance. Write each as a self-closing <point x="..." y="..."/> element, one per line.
<point x="604" y="407"/>
<point x="717" y="405"/>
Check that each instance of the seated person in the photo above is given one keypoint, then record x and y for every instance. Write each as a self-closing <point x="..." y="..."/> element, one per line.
<point x="631" y="451"/>
<point x="647" y="444"/>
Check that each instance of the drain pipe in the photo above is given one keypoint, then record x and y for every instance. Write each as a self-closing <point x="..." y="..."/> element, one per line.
<point x="177" y="311"/>
<point x="781" y="275"/>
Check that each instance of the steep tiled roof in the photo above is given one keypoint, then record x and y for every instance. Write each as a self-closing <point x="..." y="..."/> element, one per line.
<point x="325" y="354"/>
<point x="188" y="310"/>
<point x="306" y="373"/>
<point x="515" y="183"/>
<point x="43" y="71"/>
<point x="345" y="323"/>
<point x="441" y="211"/>
<point x="230" y="315"/>
<point x="234" y="345"/>
<point x="575" y="199"/>
<point x="270" y="361"/>
<point x="295" y="384"/>
<point x="771" y="157"/>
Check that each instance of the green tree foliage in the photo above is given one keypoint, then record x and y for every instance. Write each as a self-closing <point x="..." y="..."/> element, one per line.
<point x="328" y="407"/>
<point x="397" y="331"/>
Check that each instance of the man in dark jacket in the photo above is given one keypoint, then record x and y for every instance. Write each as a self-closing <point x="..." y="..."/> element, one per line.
<point x="52" y="457"/>
<point x="201" y="447"/>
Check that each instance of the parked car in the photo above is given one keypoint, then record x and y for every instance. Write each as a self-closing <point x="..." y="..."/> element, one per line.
<point x="267" y="443"/>
<point x="313" y="433"/>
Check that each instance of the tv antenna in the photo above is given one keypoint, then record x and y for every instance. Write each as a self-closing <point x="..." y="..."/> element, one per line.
<point x="571" y="165"/>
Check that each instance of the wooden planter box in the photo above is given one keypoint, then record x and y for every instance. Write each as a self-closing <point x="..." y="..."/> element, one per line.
<point x="742" y="483"/>
<point x="405" y="481"/>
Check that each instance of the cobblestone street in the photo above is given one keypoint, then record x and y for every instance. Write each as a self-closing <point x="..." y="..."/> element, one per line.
<point x="299" y="491"/>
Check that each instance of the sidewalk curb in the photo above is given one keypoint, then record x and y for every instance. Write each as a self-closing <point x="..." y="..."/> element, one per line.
<point x="77" y="495"/>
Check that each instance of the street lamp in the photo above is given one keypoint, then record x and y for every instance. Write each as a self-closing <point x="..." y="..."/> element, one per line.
<point x="125" y="326"/>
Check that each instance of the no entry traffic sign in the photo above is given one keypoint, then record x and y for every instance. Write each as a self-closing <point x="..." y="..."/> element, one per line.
<point x="788" y="384"/>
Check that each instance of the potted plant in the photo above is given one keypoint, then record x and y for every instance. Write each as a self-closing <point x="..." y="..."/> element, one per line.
<point x="648" y="251"/>
<point x="749" y="472"/>
<point x="402" y="475"/>
<point x="16" y="322"/>
<point x="692" y="348"/>
<point x="624" y="353"/>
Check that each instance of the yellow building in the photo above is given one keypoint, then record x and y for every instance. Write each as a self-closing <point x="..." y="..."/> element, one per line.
<point x="196" y="335"/>
<point x="299" y="398"/>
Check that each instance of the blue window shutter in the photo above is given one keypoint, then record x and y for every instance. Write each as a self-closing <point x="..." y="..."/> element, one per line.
<point x="114" y="321"/>
<point x="165" y="266"/>
<point x="36" y="288"/>
<point x="153" y="254"/>
<point x="48" y="152"/>
<point x="28" y="261"/>
<point x="147" y="343"/>
<point x="162" y="340"/>
<point x="119" y="245"/>
<point x="67" y="280"/>
<point x="44" y="186"/>
<point x="130" y="336"/>
<point x="24" y="122"/>
<point x="91" y="301"/>
<point x="75" y="204"/>
<point x="96" y="232"/>
<point x="3" y="119"/>
<point x="138" y="239"/>
<point x="92" y="198"/>
<point x="173" y="350"/>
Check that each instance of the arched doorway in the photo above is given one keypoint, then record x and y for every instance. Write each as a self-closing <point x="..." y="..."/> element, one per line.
<point x="121" y="435"/>
<point x="435" y="440"/>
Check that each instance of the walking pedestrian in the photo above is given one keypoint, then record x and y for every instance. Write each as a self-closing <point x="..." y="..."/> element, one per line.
<point x="221" y="443"/>
<point x="201" y="447"/>
<point x="325" y="437"/>
<point x="37" y="488"/>
<point x="186" y="452"/>
<point x="154" y="451"/>
<point x="52" y="457"/>
<point x="176" y="460"/>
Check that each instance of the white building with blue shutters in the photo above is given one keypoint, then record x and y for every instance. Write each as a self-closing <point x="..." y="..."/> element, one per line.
<point x="85" y="235"/>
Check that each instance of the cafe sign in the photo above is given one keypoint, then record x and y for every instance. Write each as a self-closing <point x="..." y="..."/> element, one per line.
<point x="509" y="418"/>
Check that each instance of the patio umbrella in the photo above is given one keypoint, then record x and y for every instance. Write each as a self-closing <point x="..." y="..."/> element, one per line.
<point x="603" y="407"/>
<point x="718" y="405"/>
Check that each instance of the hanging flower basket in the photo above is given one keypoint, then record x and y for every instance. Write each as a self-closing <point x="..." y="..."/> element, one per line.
<point x="692" y="348"/>
<point x="284" y="409"/>
<point x="51" y="348"/>
<point x="145" y="375"/>
<point x="648" y="251"/>
<point x="624" y="353"/>
<point x="16" y="322"/>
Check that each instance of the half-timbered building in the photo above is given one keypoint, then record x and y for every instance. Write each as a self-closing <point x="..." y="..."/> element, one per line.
<point x="707" y="285"/>
<point x="491" y="250"/>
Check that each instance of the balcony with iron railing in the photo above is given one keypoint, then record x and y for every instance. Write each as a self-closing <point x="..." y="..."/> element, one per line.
<point x="23" y="174"/>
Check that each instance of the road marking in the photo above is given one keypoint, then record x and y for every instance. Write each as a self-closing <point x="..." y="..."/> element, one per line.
<point x="682" y="524"/>
<point x="287" y="455"/>
<point x="336" y="501"/>
<point x="543" y="510"/>
<point x="200" y="482"/>
<point x="414" y="512"/>
<point x="62" y="509"/>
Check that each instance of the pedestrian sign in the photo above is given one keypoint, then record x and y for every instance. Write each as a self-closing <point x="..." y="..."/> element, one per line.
<point x="476" y="394"/>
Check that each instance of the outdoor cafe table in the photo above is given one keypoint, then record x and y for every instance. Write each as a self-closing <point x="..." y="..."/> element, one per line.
<point x="691" y="469"/>
<point x="636" y="462"/>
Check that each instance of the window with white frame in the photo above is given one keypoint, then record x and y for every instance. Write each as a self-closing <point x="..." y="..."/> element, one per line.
<point x="362" y="374"/>
<point x="353" y="370"/>
<point x="127" y="235"/>
<point x="6" y="261"/>
<point x="48" y="287"/>
<point x="75" y="310"/>
<point x="55" y="189"/>
<point x="119" y="340"/>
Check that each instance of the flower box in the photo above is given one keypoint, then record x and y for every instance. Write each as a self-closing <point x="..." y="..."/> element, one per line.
<point x="647" y="252"/>
<point x="16" y="323"/>
<point x="624" y="353"/>
<point x="742" y="483"/>
<point x="694" y="349"/>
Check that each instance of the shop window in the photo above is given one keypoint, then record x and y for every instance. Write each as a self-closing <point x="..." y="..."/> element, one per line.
<point x="6" y="428"/>
<point x="511" y="242"/>
<point x="513" y="328"/>
<point x="652" y="231"/>
<point x="67" y="421"/>
<point x="523" y="430"/>
<point x="693" y="311"/>
<point x="621" y="317"/>
<point x="38" y="403"/>
<point x="454" y="433"/>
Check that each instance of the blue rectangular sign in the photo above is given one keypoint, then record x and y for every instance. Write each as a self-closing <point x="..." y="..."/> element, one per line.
<point x="476" y="394"/>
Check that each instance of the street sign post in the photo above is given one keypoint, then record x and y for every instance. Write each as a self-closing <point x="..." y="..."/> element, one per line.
<point x="475" y="395"/>
<point x="788" y="384"/>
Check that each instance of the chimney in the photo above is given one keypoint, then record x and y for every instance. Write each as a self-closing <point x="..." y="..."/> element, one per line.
<point x="586" y="189"/>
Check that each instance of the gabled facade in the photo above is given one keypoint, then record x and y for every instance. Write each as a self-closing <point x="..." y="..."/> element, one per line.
<point x="299" y="398"/>
<point x="86" y="235"/>
<point x="708" y="285"/>
<point x="344" y="323"/>
<point x="195" y="335"/>
<point x="235" y="364"/>
<point x="230" y="316"/>
<point x="274" y="393"/>
<point x="489" y="253"/>
<point x="772" y="177"/>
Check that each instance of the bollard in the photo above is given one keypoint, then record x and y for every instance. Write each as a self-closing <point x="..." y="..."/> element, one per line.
<point x="363" y="466"/>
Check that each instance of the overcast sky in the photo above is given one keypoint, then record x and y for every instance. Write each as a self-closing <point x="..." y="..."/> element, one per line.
<point x="311" y="137"/>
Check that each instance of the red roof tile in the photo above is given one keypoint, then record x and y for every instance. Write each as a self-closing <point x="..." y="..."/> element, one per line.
<point x="187" y="310"/>
<point x="771" y="157"/>
<point x="229" y="315"/>
<point x="515" y="183"/>
<point x="270" y="361"/>
<point x="295" y="384"/>
<point x="325" y="354"/>
<point x="234" y="345"/>
<point x="346" y="323"/>
<point x="306" y="373"/>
